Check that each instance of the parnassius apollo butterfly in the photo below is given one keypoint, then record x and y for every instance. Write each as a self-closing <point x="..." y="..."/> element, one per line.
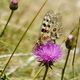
<point x="51" y="27"/>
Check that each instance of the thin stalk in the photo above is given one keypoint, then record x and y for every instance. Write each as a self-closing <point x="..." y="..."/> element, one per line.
<point x="75" y="47"/>
<point x="2" y="33"/>
<point x="73" y="61"/>
<point x="37" y="73"/>
<point x="63" y="71"/>
<point x="73" y="71"/>
<point x="75" y="52"/>
<point x="22" y="38"/>
<point x="46" y="71"/>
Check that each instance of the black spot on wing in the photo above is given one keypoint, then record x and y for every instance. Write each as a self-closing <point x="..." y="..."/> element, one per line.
<point x="43" y="30"/>
<point x="44" y="24"/>
<point x="54" y="29"/>
<point x="48" y="26"/>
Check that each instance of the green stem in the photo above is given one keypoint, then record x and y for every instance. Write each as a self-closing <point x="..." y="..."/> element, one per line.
<point x="45" y="74"/>
<point x="73" y="62"/>
<point x="37" y="73"/>
<point x="75" y="52"/>
<point x="22" y="38"/>
<point x="2" y="33"/>
<point x="75" y="47"/>
<point x="63" y="71"/>
<point x="73" y="71"/>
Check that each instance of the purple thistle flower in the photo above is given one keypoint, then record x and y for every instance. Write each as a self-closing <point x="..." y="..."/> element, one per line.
<point x="48" y="53"/>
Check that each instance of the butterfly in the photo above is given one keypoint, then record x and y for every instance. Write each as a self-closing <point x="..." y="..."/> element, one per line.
<point x="51" y="27"/>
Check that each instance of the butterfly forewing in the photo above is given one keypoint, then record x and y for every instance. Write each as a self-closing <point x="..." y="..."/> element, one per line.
<point x="46" y="27"/>
<point x="50" y="27"/>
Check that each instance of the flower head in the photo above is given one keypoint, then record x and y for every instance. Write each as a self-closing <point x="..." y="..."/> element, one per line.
<point x="14" y="4"/>
<point x="70" y="42"/>
<point x="48" y="53"/>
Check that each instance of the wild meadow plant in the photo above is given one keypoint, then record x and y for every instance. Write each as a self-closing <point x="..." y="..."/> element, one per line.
<point x="13" y="6"/>
<point x="71" y="43"/>
<point x="46" y="49"/>
<point x="47" y="54"/>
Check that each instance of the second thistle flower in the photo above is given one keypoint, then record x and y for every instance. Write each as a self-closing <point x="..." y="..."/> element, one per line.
<point x="72" y="38"/>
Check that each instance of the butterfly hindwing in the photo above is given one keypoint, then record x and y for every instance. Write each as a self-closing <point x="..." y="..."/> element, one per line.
<point x="57" y="28"/>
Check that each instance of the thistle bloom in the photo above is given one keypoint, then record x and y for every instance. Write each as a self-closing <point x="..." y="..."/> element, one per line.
<point x="48" y="53"/>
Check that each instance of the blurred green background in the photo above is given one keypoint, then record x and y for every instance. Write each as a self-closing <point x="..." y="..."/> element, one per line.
<point x="23" y="65"/>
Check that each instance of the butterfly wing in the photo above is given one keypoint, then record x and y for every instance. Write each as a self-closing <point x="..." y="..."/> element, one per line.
<point x="46" y="27"/>
<point x="57" y="28"/>
<point x="51" y="27"/>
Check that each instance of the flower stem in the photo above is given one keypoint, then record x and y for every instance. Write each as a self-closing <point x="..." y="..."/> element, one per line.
<point x="75" y="47"/>
<point x="63" y="71"/>
<point x="46" y="70"/>
<point x="75" y="50"/>
<point x="2" y="33"/>
<point x="22" y="38"/>
<point x="73" y="61"/>
<point x="37" y="73"/>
